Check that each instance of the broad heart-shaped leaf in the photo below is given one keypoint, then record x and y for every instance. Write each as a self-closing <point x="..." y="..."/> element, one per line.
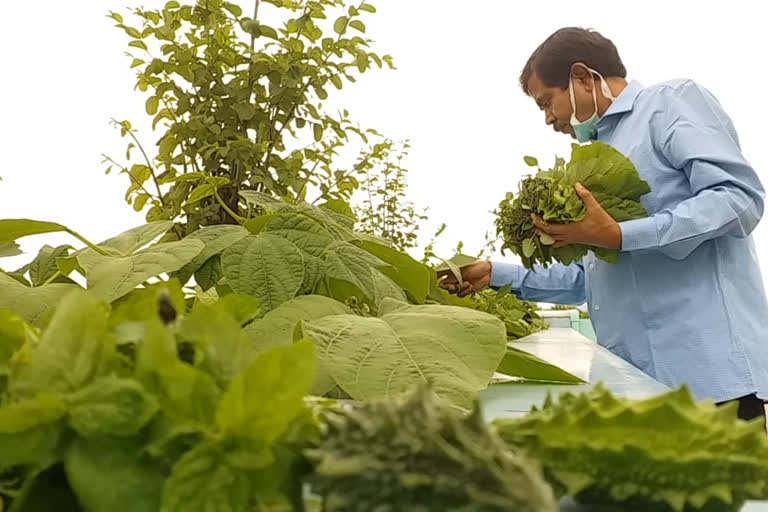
<point x="346" y="262"/>
<point x="13" y="229"/>
<point x="277" y="327"/>
<point x="263" y="401"/>
<point x="73" y="350"/>
<point x="33" y="304"/>
<point x="112" y="277"/>
<point x="266" y="266"/>
<point x="202" y="481"/>
<point x="385" y="288"/>
<point x="518" y="363"/>
<point x="210" y="273"/>
<point x="456" y="349"/>
<point x="111" y="406"/>
<point x="305" y="233"/>
<point x="216" y="239"/>
<point x="44" y="265"/>
<point x="111" y="474"/>
<point x="412" y="276"/>
<point x="267" y="202"/>
<point x="134" y="239"/>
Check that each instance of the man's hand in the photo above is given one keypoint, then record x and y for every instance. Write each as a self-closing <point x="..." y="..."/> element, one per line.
<point x="597" y="228"/>
<point x="475" y="277"/>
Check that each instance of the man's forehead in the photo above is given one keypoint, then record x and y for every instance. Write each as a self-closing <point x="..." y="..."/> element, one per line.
<point x="536" y="87"/>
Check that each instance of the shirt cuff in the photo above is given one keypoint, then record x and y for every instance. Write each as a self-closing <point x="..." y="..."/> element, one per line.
<point x="503" y="274"/>
<point x="639" y="234"/>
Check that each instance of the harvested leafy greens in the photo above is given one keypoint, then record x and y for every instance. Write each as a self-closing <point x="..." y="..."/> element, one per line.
<point x="663" y="454"/>
<point x="611" y="178"/>
<point x="418" y="453"/>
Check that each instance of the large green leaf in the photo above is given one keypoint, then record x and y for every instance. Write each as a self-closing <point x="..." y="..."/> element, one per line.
<point x="13" y="229"/>
<point x="216" y="239"/>
<point x="33" y="304"/>
<point x="73" y="350"/>
<point x="203" y="481"/>
<point x="454" y="348"/>
<point x="346" y="262"/>
<point x="276" y="328"/>
<point x="111" y="406"/>
<point x="112" y="277"/>
<point x="262" y="403"/>
<point x="518" y="363"/>
<point x="134" y="239"/>
<point x="305" y="233"/>
<point x="108" y="474"/>
<point x="412" y="276"/>
<point x="266" y="266"/>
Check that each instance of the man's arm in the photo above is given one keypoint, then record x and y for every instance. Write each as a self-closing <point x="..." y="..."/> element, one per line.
<point x="697" y="137"/>
<point x="559" y="284"/>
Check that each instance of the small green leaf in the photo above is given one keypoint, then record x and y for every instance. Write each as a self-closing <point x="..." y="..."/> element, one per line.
<point x="269" y="32"/>
<point x="367" y="8"/>
<point x="531" y="161"/>
<point x="200" y="192"/>
<point x="280" y="378"/>
<point x="340" y="26"/>
<point x="173" y="4"/>
<point x="202" y="481"/>
<point x="153" y="102"/>
<point x="529" y="247"/>
<point x="317" y="128"/>
<point x="111" y="406"/>
<point x="336" y="81"/>
<point x="233" y="8"/>
<point x="357" y="25"/>
<point x="138" y="44"/>
<point x="546" y="239"/>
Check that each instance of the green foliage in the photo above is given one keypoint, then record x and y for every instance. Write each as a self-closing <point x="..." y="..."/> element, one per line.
<point x="408" y="344"/>
<point x="384" y="211"/>
<point x="146" y="430"/>
<point x="611" y="178"/>
<point x="417" y="453"/>
<point x="240" y="105"/>
<point x="666" y="453"/>
<point x="569" y="307"/>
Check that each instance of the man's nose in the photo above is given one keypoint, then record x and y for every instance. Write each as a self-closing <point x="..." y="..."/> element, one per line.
<point x="549" y="118"/>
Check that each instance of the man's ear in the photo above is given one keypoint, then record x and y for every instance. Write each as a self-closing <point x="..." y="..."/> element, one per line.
<point x="582" y="76"/>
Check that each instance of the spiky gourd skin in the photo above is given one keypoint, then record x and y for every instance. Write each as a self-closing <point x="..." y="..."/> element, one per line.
<point x="418" y="455"/>
<point x="667" y="453"/>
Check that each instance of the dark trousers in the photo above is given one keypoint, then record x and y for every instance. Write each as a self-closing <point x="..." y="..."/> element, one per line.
<point x="750" y="407"/>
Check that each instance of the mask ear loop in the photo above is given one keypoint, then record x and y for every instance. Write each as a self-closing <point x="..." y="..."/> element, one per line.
<point x="575" y="119"/>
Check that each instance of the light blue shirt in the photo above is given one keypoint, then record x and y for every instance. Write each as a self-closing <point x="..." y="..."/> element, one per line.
<point x="685" y="302"/>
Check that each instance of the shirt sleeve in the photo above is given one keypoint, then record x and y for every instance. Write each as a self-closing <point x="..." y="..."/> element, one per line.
<point x="559" y="284"/>
<point x="697" y="137"/>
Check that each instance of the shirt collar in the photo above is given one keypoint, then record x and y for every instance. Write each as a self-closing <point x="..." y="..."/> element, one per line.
<point x="626" y="99"/>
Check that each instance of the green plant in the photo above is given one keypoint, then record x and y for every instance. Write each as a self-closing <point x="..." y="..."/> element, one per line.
<point x="384" y="211"/>
<point x="606" y="173"/>
<point x="569" y="307"/>
<point x="241" y="105"/>
<point x="666" y="453"/>
<point x="417" y="453"/>
<point x="115" y="410"/>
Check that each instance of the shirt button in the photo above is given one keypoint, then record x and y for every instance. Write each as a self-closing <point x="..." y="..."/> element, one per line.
<point x="591" y="266"/>
<point x="597" y="307"/>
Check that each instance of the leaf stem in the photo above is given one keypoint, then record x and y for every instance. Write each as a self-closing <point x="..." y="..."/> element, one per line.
<point x="223" y="204"/>
<point x="88" y="242"/>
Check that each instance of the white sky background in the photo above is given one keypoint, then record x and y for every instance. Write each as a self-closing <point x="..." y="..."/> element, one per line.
<point x="454" y="95"/>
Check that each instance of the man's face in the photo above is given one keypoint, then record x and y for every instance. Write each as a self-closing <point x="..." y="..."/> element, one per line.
<point x="556" y="104"/>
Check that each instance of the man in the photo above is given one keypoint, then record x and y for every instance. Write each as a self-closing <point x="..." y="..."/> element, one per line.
<point x="685" y="302"/>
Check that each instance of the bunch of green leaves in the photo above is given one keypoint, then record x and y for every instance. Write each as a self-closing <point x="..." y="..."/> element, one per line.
<point x="112" y="409"/>
<point x="239" y="100"/>
<point x="385" y="211"/>
<point x="551" y="195"/>
<point x="668" y="453"/>
<point x="569" y="307"/>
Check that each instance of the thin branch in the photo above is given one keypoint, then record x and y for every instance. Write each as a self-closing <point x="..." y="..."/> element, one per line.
<point x="146" y="157"/>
